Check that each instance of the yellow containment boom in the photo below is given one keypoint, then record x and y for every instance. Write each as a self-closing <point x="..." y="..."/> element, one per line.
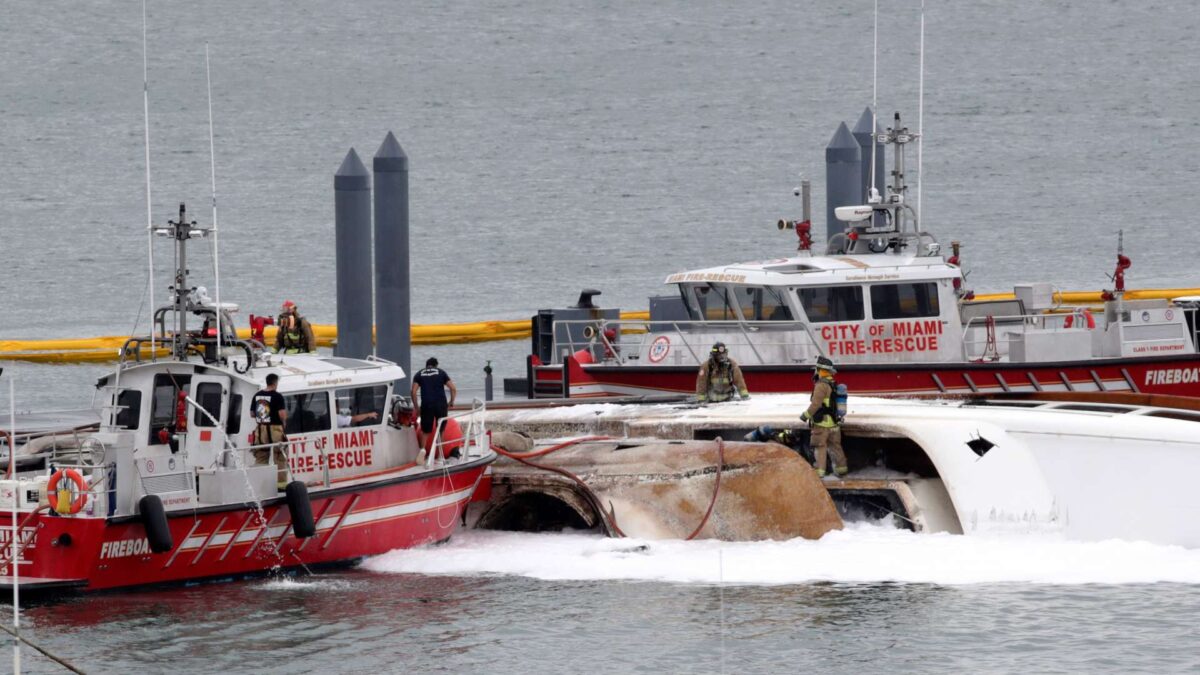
<point x="103" y="349"/>
<point x="1094" y="297"/>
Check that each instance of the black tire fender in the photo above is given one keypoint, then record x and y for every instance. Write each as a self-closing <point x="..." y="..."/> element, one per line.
<point x="300" y="507"/>
<point x="154" y="519"/>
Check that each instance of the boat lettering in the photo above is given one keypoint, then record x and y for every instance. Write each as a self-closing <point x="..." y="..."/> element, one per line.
<point x="337" y="460"/>
<point x="28" y="534"/>
<point x="1173" y="376"/>
<point x="706" y="276"/>
<point x="124" y="548"/>
<point x="1144" y="349"/>
<point x="879" y="338"/>
<point x="350" y="448"/>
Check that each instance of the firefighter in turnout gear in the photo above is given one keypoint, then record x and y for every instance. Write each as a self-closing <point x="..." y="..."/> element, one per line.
<point x="720" y="377"/>
<point x="295" y="334"/>
<point x="823" y="419"/>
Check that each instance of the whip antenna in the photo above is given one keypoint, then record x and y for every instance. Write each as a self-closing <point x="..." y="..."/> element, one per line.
<point x="871" y="191"/>
<point x="212" y="161"/>
<point x="149" y="208"/>
<point x="16" y="551"/>
<point x="920" y="118"/>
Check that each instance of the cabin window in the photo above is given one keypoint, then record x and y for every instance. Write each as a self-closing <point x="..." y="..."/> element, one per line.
<point x="233" y="423"/>
<point x="832" y="303"/>
<point x="129" y="408"/>
<point x="775" y="305"/>
<point x="713" y="303"/>
<point x="208" y="395"/>
<point x="307" y="412"/>
<point x="162" y="404"/>
<point x="904" y="301"/>
<point x="761" y="304"/>
<point x="360" y="400"/>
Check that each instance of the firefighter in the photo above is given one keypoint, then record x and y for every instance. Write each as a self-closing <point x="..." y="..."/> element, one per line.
<point x="720" y="377"/>
<point x="295" y="334"/>
<point x="823" y="419"/>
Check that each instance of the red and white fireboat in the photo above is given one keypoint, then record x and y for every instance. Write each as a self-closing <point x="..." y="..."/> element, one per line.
<point x="884" y="304"/>
<point x="165" y="488"/>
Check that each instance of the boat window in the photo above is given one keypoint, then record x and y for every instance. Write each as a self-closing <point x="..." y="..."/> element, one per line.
<point x="208" y="395"/>
<point x="832" y="303"/>
<point x="749" y="299"/>
<point x="233" y="423"/>
<point x="904" y="301"/>
<point x="761" y="304"/>
<point x="129" y="408"/>
<point x="713" y="303"/>
<point x="689" y="302"/>
<point x="307" y="412"/>
<point x="162" y="404"/>
<point x="775" y="305"/>
<point x="360" y="400"/>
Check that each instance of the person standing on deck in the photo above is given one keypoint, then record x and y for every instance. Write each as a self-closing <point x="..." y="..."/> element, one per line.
<point x="270" y="412"/>
<point x="295" y="335"/>
<point x="432" y="383"/>
<point x="822" y="418"/>
<point x="719" y="376"/>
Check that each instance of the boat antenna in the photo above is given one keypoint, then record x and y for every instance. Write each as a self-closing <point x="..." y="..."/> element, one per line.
<point x="149" y="214"/>
<point x="16" y="562"/>
<point x="920" y="120"/>
<point x="212" y="161"/>
<point x="871" y="191"/>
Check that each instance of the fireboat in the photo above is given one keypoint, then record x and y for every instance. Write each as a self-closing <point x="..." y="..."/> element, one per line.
<point x="164" y="488"/>
<point x="887" y="307"/>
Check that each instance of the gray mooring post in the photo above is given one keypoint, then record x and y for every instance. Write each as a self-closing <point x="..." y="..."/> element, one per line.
<point x="862" y="134"/>
<point x="352" y="223"/>
<point x="843" y="160"/>
<point x="393" y="306"/>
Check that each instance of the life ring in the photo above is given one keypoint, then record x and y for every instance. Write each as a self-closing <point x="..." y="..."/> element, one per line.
<point x="58" y="501"/>
<point x="1087" y="318"/>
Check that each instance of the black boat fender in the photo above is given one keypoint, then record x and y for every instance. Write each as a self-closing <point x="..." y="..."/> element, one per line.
<point x="154" y="519"/>
<point x="301" y="509"/>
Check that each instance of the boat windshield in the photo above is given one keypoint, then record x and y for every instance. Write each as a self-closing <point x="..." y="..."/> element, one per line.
<point x="762" y="303"/>
<point x="711" y="303"/>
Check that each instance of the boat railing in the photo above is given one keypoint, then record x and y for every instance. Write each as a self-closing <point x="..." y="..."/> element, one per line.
<point x="206" y="347"/>
<point x="1001" y="330"/>
<point x="752" y="342"/>
<point x="473" y="443"/>
<point x="1191" y="312"/>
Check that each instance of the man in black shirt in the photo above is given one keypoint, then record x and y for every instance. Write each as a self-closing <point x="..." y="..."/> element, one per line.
<point x="432" y="383"/>
<point x="270" y="412"/>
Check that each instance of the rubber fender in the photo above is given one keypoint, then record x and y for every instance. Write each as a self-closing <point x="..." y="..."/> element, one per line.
<point x="154" y="519"/>
<point x="300" y="507"/>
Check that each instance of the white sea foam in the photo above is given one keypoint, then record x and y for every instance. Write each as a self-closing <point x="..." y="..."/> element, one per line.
<point x="315" y="584"/>
<point x="861" y="553"/>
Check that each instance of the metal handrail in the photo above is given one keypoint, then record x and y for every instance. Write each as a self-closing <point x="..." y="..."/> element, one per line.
<point x="562" y="335"/>
<point x="474" y="434"/>
<point x="1026" y="320"/>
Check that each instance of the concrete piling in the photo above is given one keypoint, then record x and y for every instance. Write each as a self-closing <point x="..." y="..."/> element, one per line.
<point x="352" y="223"/>
<point x="393" y="307"/>
<point x="843" y="170"/>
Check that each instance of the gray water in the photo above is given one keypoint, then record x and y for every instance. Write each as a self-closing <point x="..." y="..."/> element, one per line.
<point x="557" y="146"/>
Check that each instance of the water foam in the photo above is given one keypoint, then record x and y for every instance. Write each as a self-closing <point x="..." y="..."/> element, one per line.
<point x="864" y="552"/>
